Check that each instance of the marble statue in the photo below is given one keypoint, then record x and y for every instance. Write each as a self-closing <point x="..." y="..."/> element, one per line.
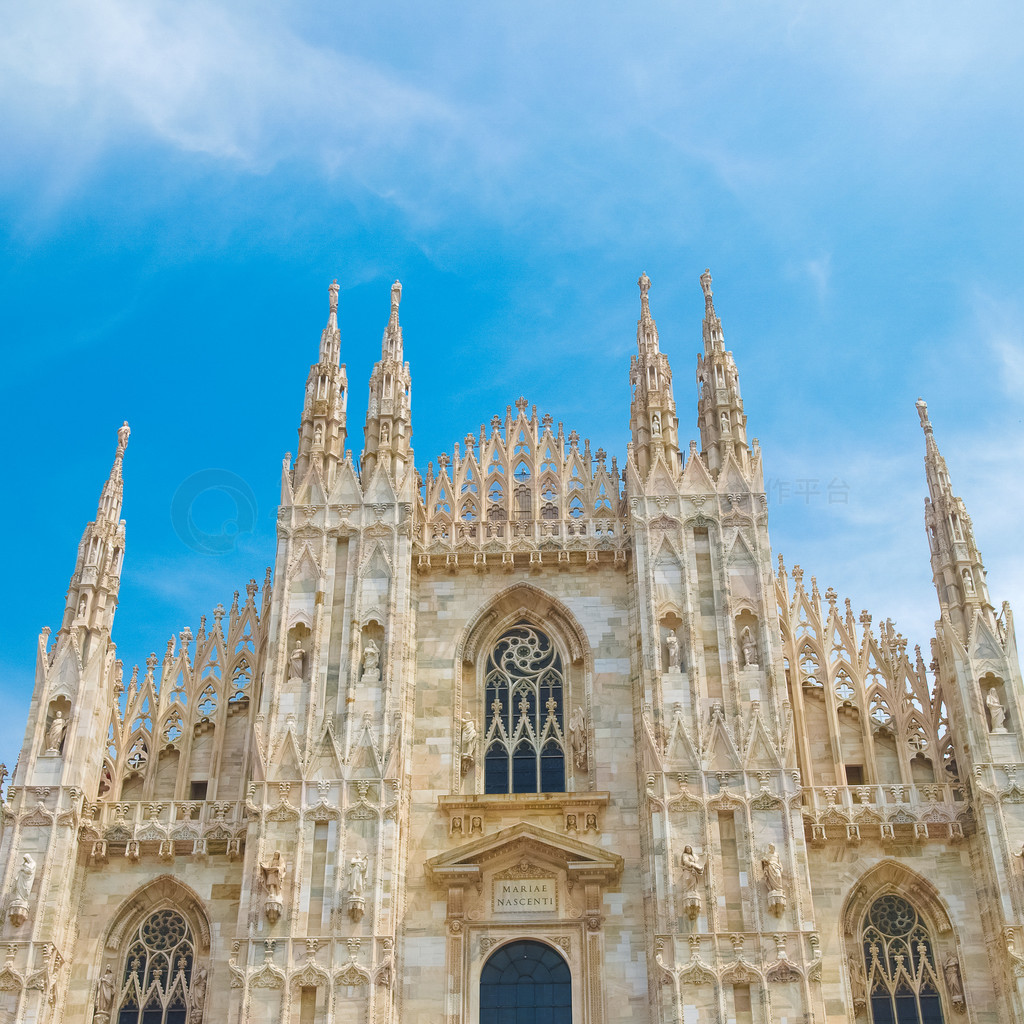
<point x="674" y="652"/>
<point x="357" y="875"/>
<point x="578" y="737"/>
<point x="749" y="646"/>
<point x="105" y="992"/>
<point x="693" y="869"/>
<point x="371" y="661"/>
<point x="468" y="738"/>
<point x="996" y="711"/>
<point x="55" y="734"/>
<point x="771" y="868"/>
<point x="296" y="661"/>
<point x="273" y="875"/>
<point x="24" y="878"/>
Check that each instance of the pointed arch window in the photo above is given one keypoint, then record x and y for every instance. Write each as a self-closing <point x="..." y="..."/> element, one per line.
<point x="902" y="979"/>
<point x="524" y="691"/>
<point x="158" y="984"/>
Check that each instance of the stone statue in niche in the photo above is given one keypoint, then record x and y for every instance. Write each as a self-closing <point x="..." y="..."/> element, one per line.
<point x="467" y="743"/>
<point x="55" y="734"/>
<point x="197" y="994"/>
<point x="674" y="651"/>
<point x="954" y="981"/>
<point x="357" y="868"/>
<point x="296" y="662"/>
<point x="578" y="738"/>
<point x="858" y="983"/>
<point x="273" y="879"/>
<point x="693" y="869"/>
<point x="318" y="434"/>
<point x="968" y="583"/>
<point x="371" y="662"/>
<point x="105" y="992"/>
<point x="749" y="647"/>
<point x="771" y="869"/>
<point x="996" y="711"/>
<point x="656" y="425"/>
<point x="82" y="605"/>
<point x="385" y="434"/>
<point x="23" y="879"/>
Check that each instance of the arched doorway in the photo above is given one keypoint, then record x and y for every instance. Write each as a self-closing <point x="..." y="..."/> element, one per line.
<point x="525" y="982"/>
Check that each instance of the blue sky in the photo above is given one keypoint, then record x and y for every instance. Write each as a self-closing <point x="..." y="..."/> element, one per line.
<point x="180" y="181"/>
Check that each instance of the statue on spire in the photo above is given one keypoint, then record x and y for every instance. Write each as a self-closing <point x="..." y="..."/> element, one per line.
<point x="396" y="295"/>
<point x="333" y="290"/>
<point x="123" y="433"/>
<point x="705" y="283"/>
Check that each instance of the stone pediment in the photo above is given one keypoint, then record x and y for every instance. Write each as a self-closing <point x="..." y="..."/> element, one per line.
<point x="528" y="843"/>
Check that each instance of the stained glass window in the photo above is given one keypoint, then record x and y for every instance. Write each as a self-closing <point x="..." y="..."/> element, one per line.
<point x="903" y="987"/>
<point x="525" y="745"/>
<point x="156" y="984"/>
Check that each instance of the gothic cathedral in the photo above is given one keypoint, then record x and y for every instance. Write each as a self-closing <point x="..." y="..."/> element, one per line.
<point x="535" y="737"/>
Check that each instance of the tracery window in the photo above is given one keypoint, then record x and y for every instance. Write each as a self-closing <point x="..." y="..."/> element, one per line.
<point x="902" y="983"/>
<point x="157" y="985"/>
<point x="525" y="745"/>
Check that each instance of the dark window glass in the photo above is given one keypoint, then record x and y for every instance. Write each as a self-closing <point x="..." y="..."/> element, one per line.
<point x="525" y="983"/>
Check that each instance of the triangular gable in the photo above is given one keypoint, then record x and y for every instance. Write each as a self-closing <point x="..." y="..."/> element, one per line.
<point x="696" y="478"/>
<point x="985" y="646"/>
<point x="379" y="489"/>
<point x="346" y="489"/>
<point x="760" y="748"/>
<point x="679" y="749"/>
<point x="576" y="857"/>
<point x="720" y="754"/>
<point x="731" y="479"/>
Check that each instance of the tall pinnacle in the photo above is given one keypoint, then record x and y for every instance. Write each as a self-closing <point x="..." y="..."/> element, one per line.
<point x="92" y="592"/>
<point x="388" y="415"/>
<point x="720" y="417"/>
<point x="322" y="430"/>
<point x="957" y="568"/>
<point x="653" y="420"/>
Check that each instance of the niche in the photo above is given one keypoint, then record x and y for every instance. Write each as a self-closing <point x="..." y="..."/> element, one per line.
<point x="371" y="651"/>
<point x="58" y="714"/>
<point x="993" y="693"/>
<point x="299" y="640"/>
<point x="670" y="630"/>
<point x="747" y="640"/>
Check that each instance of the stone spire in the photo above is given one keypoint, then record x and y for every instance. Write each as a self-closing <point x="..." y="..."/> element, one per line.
<point x="720" y="416"/>
<point x="388" y="416"/>
<point x="652" y="415"/>
<point x="92" y="593"/>
<point x="322" y="431"/>
<point x="957" y="568"/>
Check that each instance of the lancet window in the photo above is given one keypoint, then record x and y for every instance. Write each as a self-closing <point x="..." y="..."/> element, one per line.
<point x="158" y="983"/>
<point x="902" y="980"/>
<point x="524" y="694"/>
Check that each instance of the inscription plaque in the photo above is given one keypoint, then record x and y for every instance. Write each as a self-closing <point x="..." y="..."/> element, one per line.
<point x="525" y="896"/>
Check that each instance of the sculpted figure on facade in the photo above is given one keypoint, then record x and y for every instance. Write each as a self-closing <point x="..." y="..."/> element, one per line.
<point x="771" y="869"/>
<point x="674" y="651"/>
<point x="24" y="878"/>
<point x="578" y="737"/>
<point x="996" y="711"/>
<point x="954" y="980"/>
<point x="197" y="995"/>
<point x="55" y="734"/>
<point x="371" y="662"/>
<point x="296" y="662"/>
<point x="273" y="876"/>
<point x="749" y="647"/>
<point x="693" y="869"/>
<point x="357" y="867"/>
<point x="105" y="992"/>
<point x="468" y="742"/>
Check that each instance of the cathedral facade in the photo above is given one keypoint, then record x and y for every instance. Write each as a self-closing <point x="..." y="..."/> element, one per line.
<point x="536" y="737"/>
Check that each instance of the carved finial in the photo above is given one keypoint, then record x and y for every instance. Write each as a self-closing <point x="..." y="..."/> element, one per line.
<point x="521" y="404"/>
